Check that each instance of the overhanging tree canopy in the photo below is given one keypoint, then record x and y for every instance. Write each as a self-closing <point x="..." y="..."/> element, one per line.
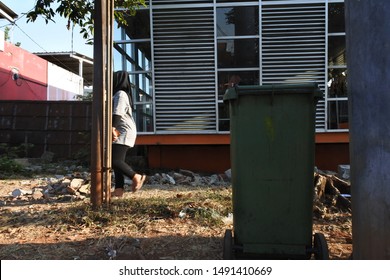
<point x="80" y="12"/>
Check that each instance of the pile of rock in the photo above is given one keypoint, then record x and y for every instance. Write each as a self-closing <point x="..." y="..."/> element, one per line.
<point x="57" y="188"/>
<point x="77" y="186"/>
<point x="331" y="189"/>
<point x="189" y="178"/>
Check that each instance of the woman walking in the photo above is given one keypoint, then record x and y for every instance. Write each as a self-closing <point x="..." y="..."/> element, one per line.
<point x="124" y="133"/>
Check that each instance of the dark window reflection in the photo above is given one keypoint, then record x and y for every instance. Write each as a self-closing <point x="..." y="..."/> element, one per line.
<point x="337" y="82"/>
<point x="138" y="26"/>
<point x="138" y="54"/>
<point x="144" y="117"/>
<point x="237" y="21"/>
<point x="336" y="18"/>
<point x="338" y="114"/>
<point x="238" y="53"/>
<point x="142" y="84"/>
<point x="336" y="50"/>
<point x="229" y="79"/>
<point x="223" y="117"/>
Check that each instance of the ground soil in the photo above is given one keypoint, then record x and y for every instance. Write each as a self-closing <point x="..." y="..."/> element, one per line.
<point x="31" y="229"/>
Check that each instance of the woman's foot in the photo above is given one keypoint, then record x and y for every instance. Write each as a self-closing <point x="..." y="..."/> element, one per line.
<point x="138" y="181"/>
<point x="118" y="192"/>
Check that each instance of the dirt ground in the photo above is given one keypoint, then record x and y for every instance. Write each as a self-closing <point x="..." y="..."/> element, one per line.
<point x="61" y="230"/>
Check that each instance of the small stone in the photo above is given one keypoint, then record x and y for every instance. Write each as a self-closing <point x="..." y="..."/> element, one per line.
<point x="59" y="177"/>
<point x="169" y="179"/>
<point x="67" y="198"/>
<point x="187" y="173"/>
<point x="76" y="183"/>
<point x="214" y="179"/>
<point x="344" y="171"/>
<point x="176" y="175"/>
<point x="17" y="193"/>
<point x="228" y="173"/>
<point x="71" y="190"/>
<point x="37" y="195"/>
<point x="65" y="182"/>
<point x="46" y="194"/>
<point x="85" y="189"/>
<point x="228" y="220"/>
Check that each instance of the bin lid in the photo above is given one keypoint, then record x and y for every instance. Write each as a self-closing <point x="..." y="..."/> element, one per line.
<point x="234" y="92"/>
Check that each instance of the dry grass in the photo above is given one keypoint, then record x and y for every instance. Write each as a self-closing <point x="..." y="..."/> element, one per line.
<point x="145" y="225"/>
<point x="155" y="223"/>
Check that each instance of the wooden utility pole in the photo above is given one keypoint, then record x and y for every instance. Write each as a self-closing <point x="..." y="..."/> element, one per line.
<point x="101" y="103"/>
<point x="368" y="49"/>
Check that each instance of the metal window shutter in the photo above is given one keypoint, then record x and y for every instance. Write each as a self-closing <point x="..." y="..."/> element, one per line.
<point x="184" y="68"/>
<point x="293" y="47"/>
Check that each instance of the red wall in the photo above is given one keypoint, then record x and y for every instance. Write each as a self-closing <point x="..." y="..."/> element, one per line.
<point x="216" y="158"/>
<point x="32" y="71"/>
<point x="211" y="153"/>
<point x="197" y="158"/>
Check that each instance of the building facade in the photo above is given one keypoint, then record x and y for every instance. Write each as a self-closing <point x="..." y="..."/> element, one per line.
<point x="182" y="55"/>
<point x="25" y="76"/>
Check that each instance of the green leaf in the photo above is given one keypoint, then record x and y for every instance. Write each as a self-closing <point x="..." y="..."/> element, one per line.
<point x="79" y="12"/>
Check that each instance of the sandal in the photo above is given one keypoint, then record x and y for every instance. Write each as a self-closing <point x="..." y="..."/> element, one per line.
<point x="138" y="186"/>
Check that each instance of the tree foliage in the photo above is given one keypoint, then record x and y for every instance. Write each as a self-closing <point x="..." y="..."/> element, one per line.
<point x="80" y="12"/>
<point x="7" y="37"/>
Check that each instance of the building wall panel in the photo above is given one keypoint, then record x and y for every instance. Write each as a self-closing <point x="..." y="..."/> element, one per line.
<point x="31" y="71"/>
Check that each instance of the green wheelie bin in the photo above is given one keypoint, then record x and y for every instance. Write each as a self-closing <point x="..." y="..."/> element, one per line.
<point x="272" y="134"/>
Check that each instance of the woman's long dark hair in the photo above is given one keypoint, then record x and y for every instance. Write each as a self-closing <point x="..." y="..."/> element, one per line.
<point x="121" y="81"/>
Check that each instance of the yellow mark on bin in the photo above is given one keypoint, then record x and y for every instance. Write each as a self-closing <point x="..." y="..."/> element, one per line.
<point x="269" y="127"/>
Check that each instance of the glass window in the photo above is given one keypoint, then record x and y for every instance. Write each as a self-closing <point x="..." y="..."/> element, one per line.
<point x="143" y="116"/>
<point x="142" y="84"/>
<point x="228" y="79"/>
<point x="139" y="56"/>
<point x="336" y="50"/>
<point x="337" y="82"/>
<point x="138" y="26"/>
<point x="237" y="21"/>
<point x="135" y="58"/>
<point x="338" y="114"/>
<point x="139" y="66"/>
<point x="238" y="53"/>
<point x="117" y="59"/>
<point x="336" y="21"/>
<point x="337" y="104"/>
<point x="117" y="32"/>
<point x="223" y="117"/>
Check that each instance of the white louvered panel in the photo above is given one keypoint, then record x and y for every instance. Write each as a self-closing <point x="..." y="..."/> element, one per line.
<point x="184" y="68"/>
<point x="293" y="47"/>
<point x="180" y="2"/>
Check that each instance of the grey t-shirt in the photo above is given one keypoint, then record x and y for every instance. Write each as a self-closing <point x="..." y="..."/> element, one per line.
<point x="126" y="127"/>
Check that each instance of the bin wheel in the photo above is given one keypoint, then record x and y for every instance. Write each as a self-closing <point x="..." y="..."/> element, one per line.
<point x="228" y="245"/>
<point x="321" y="251"/>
